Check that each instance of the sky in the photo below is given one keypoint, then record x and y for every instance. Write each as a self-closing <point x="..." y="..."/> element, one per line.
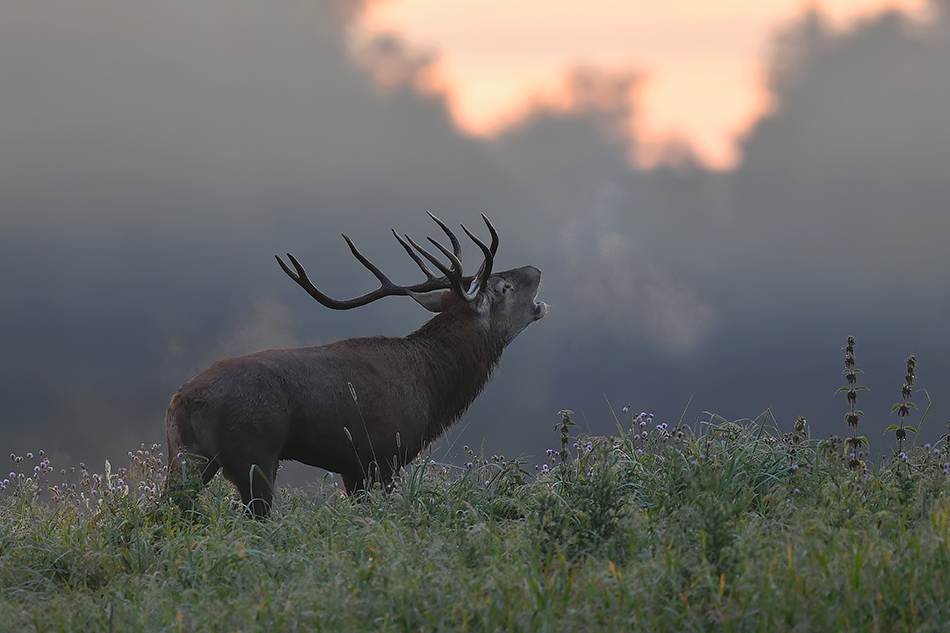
<point x="494" y="58"/>
<point x="154" y="157"/>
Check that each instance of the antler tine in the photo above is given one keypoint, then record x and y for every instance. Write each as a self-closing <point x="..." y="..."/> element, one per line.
<point x="484" y="270"/>
<point x="494" y="234"/>
<point x="383" y="279"/>
<point x="425" y="269"/>
<point x="454" y="275"/>
<point x="456" y="247"/>
<point x="456" y="262"/>
<point x="300" y="276"/>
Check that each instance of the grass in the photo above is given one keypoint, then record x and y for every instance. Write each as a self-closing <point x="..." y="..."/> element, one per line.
<point x="725" y="526"/>
<point x="731" y="526"/>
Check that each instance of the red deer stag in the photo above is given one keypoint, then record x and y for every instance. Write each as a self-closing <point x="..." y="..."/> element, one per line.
<point x="360" y="407"/>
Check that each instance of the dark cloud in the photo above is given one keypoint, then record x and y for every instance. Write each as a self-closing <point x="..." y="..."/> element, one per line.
<point x="157" y="155"/>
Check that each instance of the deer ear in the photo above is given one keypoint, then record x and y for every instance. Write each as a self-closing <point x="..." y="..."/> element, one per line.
<point x="433" y="301"/>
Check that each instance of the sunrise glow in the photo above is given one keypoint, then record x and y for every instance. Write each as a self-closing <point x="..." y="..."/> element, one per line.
<point x="701" y="63"/>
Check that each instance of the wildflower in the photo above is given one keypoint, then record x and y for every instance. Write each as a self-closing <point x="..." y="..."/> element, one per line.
<point x="794" y="468"/>
<point x="12" y="475"/>
<point x="927" y="447"/>
<point x="626" y="408"/>
<point x="486" y="483"/>
<point x="796" y="491"/>
<point x="903" y="456"/>
<point x="544" y="468"/>
<point x="590" y="446"/>
<point x="469" y="465"/>
<point x="29" y="455"/>
<point x="639" y="451"/>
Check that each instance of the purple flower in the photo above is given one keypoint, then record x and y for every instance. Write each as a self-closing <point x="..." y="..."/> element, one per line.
<point x="469" y="465"/>
<point x="626" y="408"/>
<point x="926" y="447"/>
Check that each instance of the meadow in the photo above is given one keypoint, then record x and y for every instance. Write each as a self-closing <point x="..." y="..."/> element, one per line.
<point x="716" y="525"/>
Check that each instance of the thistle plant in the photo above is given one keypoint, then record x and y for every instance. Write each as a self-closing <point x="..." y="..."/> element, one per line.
<point x="565" y="427"/>
<point x="903" y="408"/>
<point x="853" y="416"/>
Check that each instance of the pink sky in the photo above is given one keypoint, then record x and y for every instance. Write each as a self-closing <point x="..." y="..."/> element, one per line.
<point x="702" y="61"/>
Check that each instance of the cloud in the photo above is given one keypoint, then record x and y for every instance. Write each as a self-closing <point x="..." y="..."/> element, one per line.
<point x="158" y="155"/>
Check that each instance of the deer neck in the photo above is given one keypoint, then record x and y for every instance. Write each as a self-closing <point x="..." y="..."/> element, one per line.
<point x="459" y="358"/>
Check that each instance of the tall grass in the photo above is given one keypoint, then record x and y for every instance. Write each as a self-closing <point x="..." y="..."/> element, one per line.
<point x="725" y="525"/>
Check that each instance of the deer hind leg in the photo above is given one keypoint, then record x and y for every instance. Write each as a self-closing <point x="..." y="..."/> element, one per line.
<point x="351" y="484"/>
<point x="254" y="480"/>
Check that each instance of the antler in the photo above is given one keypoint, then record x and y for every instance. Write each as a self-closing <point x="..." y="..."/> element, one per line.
<point x="451" y="275"/>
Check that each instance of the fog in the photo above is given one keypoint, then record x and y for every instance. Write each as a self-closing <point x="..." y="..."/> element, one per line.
<point x="156" y="156"/>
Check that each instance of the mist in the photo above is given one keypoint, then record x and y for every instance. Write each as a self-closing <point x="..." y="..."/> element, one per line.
<point x="156" y="156"/>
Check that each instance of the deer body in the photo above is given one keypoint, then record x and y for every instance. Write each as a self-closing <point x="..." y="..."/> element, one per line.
<point x="360" y="407"/>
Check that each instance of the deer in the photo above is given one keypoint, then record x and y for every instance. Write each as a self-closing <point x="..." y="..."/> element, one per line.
<point x="361" y="407"/>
